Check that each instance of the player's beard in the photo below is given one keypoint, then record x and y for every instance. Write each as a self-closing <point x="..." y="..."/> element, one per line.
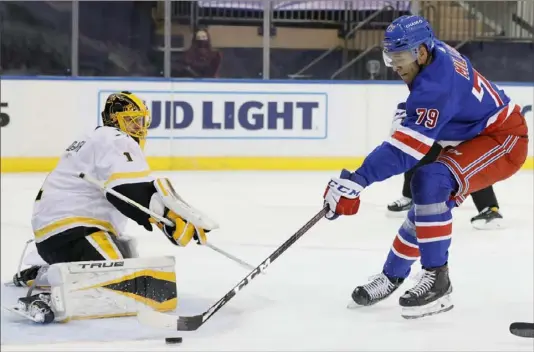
<point x="408" y="74"/>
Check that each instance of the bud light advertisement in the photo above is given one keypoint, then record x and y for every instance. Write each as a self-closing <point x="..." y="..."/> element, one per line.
<point x="234" y="115"/>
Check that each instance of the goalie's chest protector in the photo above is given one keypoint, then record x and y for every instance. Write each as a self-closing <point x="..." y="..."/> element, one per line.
<point x="66" y="201"/>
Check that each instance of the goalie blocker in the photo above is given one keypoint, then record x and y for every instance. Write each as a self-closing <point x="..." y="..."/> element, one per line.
<point x="103" y="289"/>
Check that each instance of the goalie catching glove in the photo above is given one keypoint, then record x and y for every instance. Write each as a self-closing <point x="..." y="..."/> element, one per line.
<point x="189" y="222"/>
<point x="183" y="231"/>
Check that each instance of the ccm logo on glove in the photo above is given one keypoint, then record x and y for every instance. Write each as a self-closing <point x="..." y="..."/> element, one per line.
<point x="343" y="190"/>
<point x="342" y="196"/>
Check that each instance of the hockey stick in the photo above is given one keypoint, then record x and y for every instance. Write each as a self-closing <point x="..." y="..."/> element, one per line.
<point x="228" y="255"/>
<point x="159" y="218"/>
<point x="522" y="329"/>
<point x="190" y="323"/>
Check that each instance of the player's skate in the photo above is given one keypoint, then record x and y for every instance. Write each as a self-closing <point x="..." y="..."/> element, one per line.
<point x="400" y="207"/>
<point x="378" y="289"/>
<point x="488" y="219"/>
<point x="430" y="296"/>
<point x="35" y="308"/>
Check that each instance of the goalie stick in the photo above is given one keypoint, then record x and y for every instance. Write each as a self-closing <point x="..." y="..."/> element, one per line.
<point x="189" y="323"/>
<point x="199" y="218"/>
<point x="522" y="329"/>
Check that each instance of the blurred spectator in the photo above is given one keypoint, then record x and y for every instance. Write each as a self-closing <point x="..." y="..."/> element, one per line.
<point x="200" y="60"/>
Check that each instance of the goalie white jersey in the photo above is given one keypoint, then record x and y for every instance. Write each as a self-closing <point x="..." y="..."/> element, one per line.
<point x="65" y="201"/>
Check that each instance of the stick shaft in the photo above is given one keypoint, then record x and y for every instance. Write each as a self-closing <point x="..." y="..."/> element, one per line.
<point x="125" y="199"/>
<point x="162" y="320"/>
<point x="229" y="256"/>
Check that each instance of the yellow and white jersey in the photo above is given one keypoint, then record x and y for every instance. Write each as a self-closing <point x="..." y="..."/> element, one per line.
<point x="66" y="201"/>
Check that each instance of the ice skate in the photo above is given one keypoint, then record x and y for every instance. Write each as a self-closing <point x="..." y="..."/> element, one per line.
<point x="399" y="208"/>
<point x="488" y="219"/>
<point x="431" y="295"/>
<point x="34" y="276"/>
<point x="378" y="289"/>
<point x="35" y="308"/>
<point x="26" y="277"/>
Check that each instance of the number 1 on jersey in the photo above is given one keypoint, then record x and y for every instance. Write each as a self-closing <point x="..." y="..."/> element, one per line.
<point x="128" y="156"/>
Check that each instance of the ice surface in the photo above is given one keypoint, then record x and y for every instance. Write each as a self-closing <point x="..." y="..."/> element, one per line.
<point x="301" y="303"/>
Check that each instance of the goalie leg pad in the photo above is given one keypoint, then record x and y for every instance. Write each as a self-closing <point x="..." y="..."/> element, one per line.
<point x="115" y="288"/>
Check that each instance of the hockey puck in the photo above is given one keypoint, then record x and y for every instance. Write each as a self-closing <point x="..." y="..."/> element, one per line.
<point x="522" y="329"/>
<point x="173" y="340"/>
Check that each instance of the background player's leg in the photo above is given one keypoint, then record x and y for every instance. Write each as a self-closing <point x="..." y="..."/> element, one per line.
<point x="406" y="186"/>
<point x="399" y="207"/>
<point x="485" y="198"/>
<point x="489" y="216"/>
<point x="403" y="253"/>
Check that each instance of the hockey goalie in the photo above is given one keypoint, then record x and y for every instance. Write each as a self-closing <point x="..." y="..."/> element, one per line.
<point x="93" y="270"/>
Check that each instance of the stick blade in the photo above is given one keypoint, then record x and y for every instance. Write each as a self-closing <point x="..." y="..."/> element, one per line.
<point x="160" y="320"/>
<point x="522" y="329"/>
<point x="189" y="323"/>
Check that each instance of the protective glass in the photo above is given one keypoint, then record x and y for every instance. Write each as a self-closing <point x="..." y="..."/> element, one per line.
<point x="399" y="58"/>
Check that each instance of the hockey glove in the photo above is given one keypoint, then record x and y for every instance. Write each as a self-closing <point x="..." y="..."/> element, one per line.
<point x="183" y="232"/>
<point x="189" y="222"/>
<point x="342" y="195"/>
<point x="400" y="114"/>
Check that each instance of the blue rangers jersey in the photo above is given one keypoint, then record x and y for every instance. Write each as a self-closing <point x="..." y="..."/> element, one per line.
<point x="449" y="102"/>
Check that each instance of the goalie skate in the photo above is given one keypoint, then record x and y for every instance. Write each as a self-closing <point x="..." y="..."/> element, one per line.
<point x="35" y="308"/>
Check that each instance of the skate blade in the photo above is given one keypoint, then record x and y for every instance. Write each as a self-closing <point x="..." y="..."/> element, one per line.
<point x="24" y="314"/>
<point x="495" y="224"/>
<point x="442" y="305"/>
<point x="20" y="313"/>
<point x="354" y="305"/>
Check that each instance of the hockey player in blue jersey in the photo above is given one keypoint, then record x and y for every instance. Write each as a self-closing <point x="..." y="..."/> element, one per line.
<point x="485" y="141"/>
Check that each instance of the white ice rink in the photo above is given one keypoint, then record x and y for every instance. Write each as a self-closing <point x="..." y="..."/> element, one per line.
<point x="301" y="303"/>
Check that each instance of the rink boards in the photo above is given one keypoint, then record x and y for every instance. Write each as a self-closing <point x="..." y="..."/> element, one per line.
<point x="214" y="124"/>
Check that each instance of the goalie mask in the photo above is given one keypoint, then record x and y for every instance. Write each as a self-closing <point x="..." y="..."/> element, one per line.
<point x="128" y="113"/>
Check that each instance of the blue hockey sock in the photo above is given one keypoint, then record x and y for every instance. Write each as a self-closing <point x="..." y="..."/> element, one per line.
<point x="432" y="186"/>
<point x="404" y="251"/>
